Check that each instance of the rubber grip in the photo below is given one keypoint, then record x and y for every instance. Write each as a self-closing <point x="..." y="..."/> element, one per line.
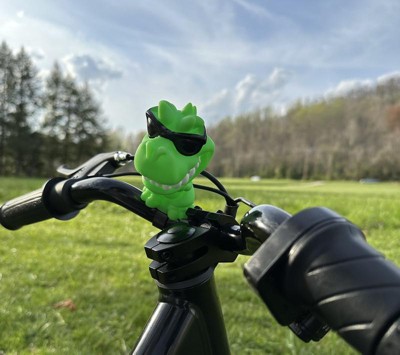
<point x="35" y="206"/>
<point x="24" y="210"/>
<point x="335" y="273"/>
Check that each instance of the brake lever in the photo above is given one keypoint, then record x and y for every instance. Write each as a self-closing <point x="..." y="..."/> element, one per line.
<point x="99" y="165"/>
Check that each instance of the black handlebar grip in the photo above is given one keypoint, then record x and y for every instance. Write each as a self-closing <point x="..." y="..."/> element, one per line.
<point x="23" y="210"/>
<point x="37" y="206"/>
<point x="335" y="273"/>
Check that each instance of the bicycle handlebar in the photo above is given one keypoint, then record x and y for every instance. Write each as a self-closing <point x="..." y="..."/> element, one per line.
<point x="318" y="263"/>
<point x="37" y="206"/>
<point x="64" y="198"/>
<point x="120" y="193"/>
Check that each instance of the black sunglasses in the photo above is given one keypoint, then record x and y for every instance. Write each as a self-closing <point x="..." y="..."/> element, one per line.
<point x="185" y="143"/>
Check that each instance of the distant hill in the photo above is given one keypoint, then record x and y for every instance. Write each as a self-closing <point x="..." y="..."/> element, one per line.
<point x="354" y="136"/>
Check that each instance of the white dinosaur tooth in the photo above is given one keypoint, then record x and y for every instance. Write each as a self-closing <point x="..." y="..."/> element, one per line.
<point x="179" y="184"/>
<point x="185" y="179"/>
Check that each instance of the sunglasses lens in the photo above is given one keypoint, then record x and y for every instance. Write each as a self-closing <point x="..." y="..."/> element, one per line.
<point x="188" y="146"/>
<point x="151" y="128"/>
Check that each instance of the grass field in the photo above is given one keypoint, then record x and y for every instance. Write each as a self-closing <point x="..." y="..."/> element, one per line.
<point x="97" y="262"/>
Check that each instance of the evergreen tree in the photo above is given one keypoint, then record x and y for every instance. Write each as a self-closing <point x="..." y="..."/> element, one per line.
<point x="24" y="104"/>
<point x="89" y="132"/>
<point x="53" y="104"/>
<point x="72" y="128"/>
<point x="7" y="91"/>
<point x="53" y="101"/>
<point x="72" y="119"/>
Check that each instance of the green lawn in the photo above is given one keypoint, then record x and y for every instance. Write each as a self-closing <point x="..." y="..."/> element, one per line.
<point x="97" y="261"/>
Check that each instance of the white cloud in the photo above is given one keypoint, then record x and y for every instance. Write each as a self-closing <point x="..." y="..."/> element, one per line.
<point x="90" y="60"/>
<point x="90" y="68"/>
<point x="244" y="90"/>
<point x="346" y="86"/>
<point x="37" y="54"/>
<point x="250" y="93"/>
<point x="278" y="78"/>
<point x="388" y="77"/>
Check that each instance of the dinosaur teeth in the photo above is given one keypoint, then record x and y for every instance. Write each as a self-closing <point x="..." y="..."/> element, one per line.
<point x="184" y="181"/>
<point x="154" y="182"/>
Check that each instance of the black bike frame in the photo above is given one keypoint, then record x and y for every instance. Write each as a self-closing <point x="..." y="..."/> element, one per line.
<point x="187" y="320"/>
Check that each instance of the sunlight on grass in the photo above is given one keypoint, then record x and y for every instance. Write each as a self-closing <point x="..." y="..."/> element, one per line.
<point x="97" y="261"/>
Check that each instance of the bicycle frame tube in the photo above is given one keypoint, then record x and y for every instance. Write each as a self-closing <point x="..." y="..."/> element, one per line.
<point x="187" y="320"/>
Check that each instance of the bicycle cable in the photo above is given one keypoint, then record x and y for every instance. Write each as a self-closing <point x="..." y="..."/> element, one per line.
<point x="220" y="191"/>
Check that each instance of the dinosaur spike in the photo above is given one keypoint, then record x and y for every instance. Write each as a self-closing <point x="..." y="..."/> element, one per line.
<point x="166" y="111"/>
<point x="189" y="109"/>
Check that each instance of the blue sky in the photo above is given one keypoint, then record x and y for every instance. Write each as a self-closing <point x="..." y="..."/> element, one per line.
<point x="224" y="56"/>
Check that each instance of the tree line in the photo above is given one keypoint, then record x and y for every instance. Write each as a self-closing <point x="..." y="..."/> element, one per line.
<point x="44" y="124"/>
<point x="353" y="136"/>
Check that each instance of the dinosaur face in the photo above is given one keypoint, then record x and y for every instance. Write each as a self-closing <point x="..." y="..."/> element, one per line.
<point x="175" y="150"/>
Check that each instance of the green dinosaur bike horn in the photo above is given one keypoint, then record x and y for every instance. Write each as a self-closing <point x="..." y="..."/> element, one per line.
<point x="174" y="151"/>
